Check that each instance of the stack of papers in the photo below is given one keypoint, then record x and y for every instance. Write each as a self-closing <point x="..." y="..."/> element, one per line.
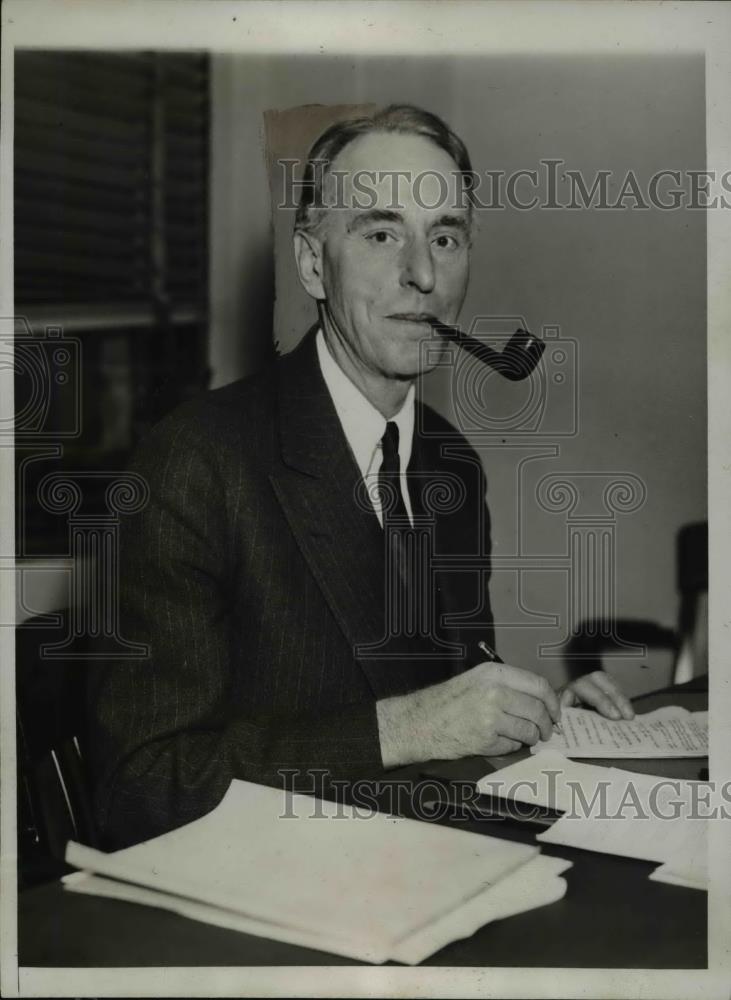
<point x="322" y="875"/>
<point x="667" y="732"/>
<point x="679" y="843"/>
<point x="688" y="870"/>
<point x="614" y="812"/>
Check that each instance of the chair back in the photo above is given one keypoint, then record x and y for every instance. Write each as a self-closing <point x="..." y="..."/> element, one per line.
<point x="692" y="577"/>
<point x="54" y="792"/>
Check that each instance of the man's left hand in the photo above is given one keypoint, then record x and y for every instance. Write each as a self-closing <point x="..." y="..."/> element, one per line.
<point x="601" y="692"/>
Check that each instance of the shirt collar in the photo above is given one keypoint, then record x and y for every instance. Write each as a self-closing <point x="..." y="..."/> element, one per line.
<point x="362" y="424"/>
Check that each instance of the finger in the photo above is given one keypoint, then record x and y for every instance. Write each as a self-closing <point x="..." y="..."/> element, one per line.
<point x="589" y="692"/>
<point x="519" y="729"/>
<point x="503" y="745"/>
<point x="529" y="683"/>
<point x="525" y="706"/>
<point x="613" y="690"/>
<point x="568" y="698"/>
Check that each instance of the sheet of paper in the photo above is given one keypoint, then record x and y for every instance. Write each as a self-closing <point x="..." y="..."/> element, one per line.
<point x="686" y="867"/>
<point x="686" y="878"/>
<point x="682" y="840"/>
<point x="536" y="883"/>
<point x="97" y="885"/>
<point x="544" y="780"/>
<point x="667" y="732"/>
<point x="351" y="878"/>
<point x="548" y="779"/>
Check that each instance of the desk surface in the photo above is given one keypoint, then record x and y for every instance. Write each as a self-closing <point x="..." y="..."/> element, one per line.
<point x="612" y="916"/>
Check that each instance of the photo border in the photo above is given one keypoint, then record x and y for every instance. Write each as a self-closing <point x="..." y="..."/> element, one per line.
<point x="417" y="29"/>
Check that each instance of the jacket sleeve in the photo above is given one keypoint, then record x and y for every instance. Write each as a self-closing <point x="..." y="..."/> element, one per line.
<point x="165" y="740"/>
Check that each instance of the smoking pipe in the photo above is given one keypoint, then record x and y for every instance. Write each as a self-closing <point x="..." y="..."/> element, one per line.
<point x="517" y="360"/>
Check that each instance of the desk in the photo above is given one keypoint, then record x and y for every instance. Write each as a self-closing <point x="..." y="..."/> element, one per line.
<point x="612" y="916"/>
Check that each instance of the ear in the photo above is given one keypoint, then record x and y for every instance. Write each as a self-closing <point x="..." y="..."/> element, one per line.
<point x="308" y="255"/>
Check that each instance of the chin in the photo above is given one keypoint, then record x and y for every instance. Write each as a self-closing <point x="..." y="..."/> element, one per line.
<point x="405" y="376"/>
<point x="409" y="374"/>
<point x="405" y="370"/>
<point x="410" y="364"/>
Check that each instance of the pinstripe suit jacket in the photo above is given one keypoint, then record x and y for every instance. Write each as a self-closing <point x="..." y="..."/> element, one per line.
<point x="257" y="580"/>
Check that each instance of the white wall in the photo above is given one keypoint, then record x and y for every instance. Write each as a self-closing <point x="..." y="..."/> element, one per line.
<point x="628" y="287"/>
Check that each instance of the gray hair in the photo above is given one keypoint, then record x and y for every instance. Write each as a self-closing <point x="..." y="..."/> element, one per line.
<point x="406" y="119"/>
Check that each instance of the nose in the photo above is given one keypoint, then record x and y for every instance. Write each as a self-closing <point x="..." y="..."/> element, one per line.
<point x="417" y="266"/>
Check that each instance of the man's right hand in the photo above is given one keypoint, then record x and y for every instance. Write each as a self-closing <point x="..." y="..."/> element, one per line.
<point x="491" y="709"/>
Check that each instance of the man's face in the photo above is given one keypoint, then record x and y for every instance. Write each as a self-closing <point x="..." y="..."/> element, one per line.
<point x="389" y="264"/>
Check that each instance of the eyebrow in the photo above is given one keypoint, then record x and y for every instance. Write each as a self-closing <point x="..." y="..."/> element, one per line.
<point x="385" y="215"/>
<point x="374" y="215"/>
<point x="452" y="222"/>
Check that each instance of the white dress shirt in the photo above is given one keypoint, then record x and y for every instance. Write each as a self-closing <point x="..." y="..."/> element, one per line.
<point x="364" y="426"/>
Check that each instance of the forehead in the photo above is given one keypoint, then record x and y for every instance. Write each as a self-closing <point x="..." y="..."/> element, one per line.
<point x="408" y="167"/>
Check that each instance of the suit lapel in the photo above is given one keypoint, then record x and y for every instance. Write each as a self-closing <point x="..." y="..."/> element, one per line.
<point x="320" y="490"/>
<point x="429" y="466"/>
<point x="336" y="530"/>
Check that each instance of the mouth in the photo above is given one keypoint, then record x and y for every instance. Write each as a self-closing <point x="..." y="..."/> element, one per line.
<point x="428" y="319"/>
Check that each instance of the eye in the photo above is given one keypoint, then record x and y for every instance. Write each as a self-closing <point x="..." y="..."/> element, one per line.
<point x="446" y="242"/>
<point x="380" y="236"/>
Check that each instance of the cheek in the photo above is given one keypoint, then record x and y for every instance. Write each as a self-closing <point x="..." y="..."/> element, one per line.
<point x="454" y="282"/>
<point x="362" y="286"/>
<point x="456" y="273"/>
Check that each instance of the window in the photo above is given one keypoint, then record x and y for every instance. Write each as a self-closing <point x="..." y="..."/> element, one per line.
<point x="111" y="254"/>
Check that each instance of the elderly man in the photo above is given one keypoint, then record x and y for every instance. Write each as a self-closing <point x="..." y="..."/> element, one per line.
<point x="261" y="573"/>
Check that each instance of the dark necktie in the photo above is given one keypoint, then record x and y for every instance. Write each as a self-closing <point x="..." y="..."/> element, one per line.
<point x="412" y="605"/>
<point x="389" y="480"/>
<point x="399" y="538"/>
